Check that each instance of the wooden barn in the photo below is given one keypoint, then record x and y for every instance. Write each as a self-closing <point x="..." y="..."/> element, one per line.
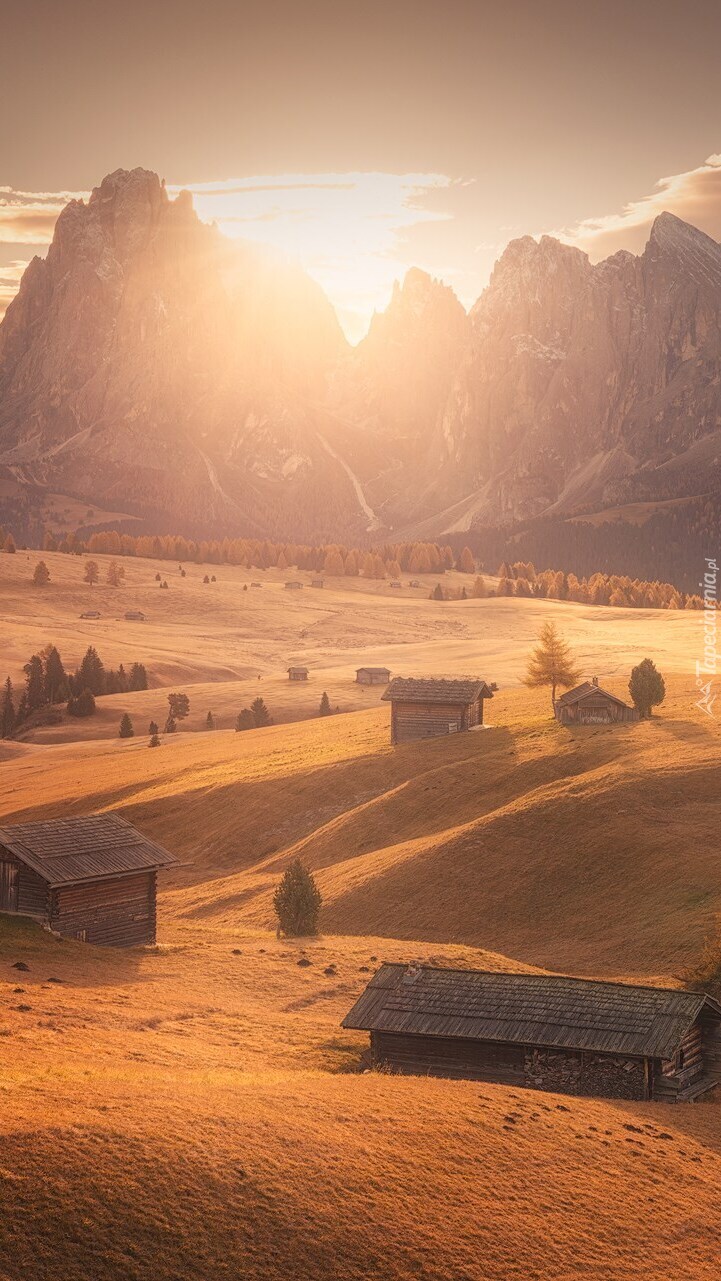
<point x="428" y="708"/>
<point x="542" y="1031"/>
<point x="372" y="675"/>
<point x="317" y="582"/>
<point x="588" y="704"/>
<point x="87" y="878"/>
<point x="135" y="616"/>
<point x="297" y="673"/>
<point x="294" y="585"/>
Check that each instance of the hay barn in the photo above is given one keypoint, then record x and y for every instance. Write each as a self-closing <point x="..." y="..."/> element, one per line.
<point x="542" y="1031"/>
<point x="89" y="878"/>
<point x="135" y="616"/>
<point x="372" y="675"/>
<point x="428" y="708"/>
<point x="293" y="586"/>
<point x="297" y="673"/>
<point x="588" y="704"/>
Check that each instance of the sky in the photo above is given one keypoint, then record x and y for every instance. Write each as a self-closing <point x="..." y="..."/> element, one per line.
<point x="367" y="138"/>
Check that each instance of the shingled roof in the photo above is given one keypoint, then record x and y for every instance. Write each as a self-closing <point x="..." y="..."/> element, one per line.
<point x="587" y="688"/>
<point x="67" y="851"/>
<point x="412" y="689"/>
<point x="528" y="1009"/>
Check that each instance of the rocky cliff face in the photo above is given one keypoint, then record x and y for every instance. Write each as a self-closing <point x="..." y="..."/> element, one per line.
<point x="588" y="385"/>
<point x="150" y="366"/>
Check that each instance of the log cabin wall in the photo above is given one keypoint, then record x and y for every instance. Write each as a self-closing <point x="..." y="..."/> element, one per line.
<point x="413" y="721"/>
<point x="119" y="912"/>
<point x="448" y="1057"/>
<point x="21" y="889"/>
<point x="676" y="1078"/>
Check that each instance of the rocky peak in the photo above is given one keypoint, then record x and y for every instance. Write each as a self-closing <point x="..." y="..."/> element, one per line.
<point x="672" y="238"/>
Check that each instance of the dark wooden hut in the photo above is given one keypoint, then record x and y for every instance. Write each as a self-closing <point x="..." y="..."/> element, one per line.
<point x="90" y="878"/>
<point x="297" y="673"/>
<point x="372" y="675"/>
<point x="428" y="708"/>
<point x="588" y="704"/>
<point x="546" y="1032"/>
<point x="317" y="582"/>
<point x="294" y="585"/>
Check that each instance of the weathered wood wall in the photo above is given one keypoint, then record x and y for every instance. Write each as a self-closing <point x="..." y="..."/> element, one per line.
<point x="595" y="710"/>
<point x="412" y="721"/>
<point x="120" y="912"/>
<point x="21" y="890"/>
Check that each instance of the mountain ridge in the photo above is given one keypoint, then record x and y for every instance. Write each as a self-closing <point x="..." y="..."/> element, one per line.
<point x="150" y="365"/>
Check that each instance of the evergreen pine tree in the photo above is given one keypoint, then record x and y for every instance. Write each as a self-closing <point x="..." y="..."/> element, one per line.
<point x="41" y="575"/>
<point x="34" y="684"/>
<point x="10" y="545"/>
<point x="154" y="741"/>
<point x="138" y="678"/>
<point x="126" y="727"/>
<point x="466" y="562"/>
<point x="170" y="725"/>
<point x="297" y="902"/>
<point x="245" y="720"/>
<point x="91" y="573"/>
<point x="179" y="706"/>
<point x="210" y="721"/>
<point x="437" y="593"/>
<point x="152" y="728"/>
<point x="92" y="672"/>
<point x="7" y="710"/>
<point x="55" y="680"/>
<point x="82" y="705"/>
<point x="261" y="716"/>
<point x="324" y="709"/>
<point x="646" y="687"/>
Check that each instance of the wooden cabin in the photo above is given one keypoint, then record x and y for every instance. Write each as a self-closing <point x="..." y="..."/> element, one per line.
<point x="542" y="1031"/>
<point x="135" y="616"/>
<point x="372" y="676"/>
<point x="91" y="613"/>
<point x="588" y="704"/>
<point x="88" y="878"/>
<point x="293" y="586"/>
<point x="297" y="673"/>
<point x="429" y="708"/>
<point x="317" y="582"/>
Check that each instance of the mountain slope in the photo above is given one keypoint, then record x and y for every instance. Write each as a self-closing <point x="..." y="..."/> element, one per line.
<point x="150" y="364"/>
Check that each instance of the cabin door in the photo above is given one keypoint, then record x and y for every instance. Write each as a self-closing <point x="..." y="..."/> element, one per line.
<point x="8" y="887"/>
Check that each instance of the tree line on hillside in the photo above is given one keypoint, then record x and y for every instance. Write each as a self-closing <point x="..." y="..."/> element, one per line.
<point x="522" y="579"/>
<point x="49" y="685"/>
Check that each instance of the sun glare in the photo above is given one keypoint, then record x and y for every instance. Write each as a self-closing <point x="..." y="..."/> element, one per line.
<point x="347" y="230"/>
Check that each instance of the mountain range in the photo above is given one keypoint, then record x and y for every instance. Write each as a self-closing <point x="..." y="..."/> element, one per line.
<point x="151" y="368"/>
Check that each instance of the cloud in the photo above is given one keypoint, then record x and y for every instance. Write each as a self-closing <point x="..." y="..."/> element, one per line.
<point x="694" y="196"/>
<point x="28" y="217"/>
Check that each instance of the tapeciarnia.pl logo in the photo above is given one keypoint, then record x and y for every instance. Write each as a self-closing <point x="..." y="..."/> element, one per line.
<point x="709" y="666"/>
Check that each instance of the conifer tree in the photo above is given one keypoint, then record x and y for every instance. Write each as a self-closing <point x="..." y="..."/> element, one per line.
<point x="91" y="573"/>
<point x="551" y="663"/>
<point x="9" y="545"/>
<point x="170" y="725"/>
<point x="325" y="708"/>
<point x="154" y="740"/>
<point x="92" y="672"/>
<point x="437" y="593"/>
<point x="138" y="678"/>
<point x="466" y="562"/>
<point x="179" y="706"/>
<point x="152" y="728"/>
<point x="479" y="587"/>
<point x="7" y="710"/>
<point x="55" y="680"/>
<point x="210" y="721"/>
<point x="646" y="687"/>
<point x="41" y="574"/>
<point x="34" y="684"/>
<point x="245" y="720"/>
<point x="261" y="715"/>
<point x="126" y="727"/>
<point x="115" y="574"/>
<point x="297" y="902"/>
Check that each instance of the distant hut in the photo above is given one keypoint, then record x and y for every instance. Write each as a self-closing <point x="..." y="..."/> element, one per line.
<point x="91" y="613"/>
<point x="372" y="676"/>
<point x="415" y="582"/>
<point x="588" y="704"/>
<point x="317" y="582"/>
<point x="134" y="616"/>
<point x="256" y="584"/>
<point x="293" y="586"/>
<point x="395" y="583"/>
<point x="429" y="708"/>
<point x="88" y="878"/>
<point x="297" y="673"/>
<point x="543" y="1031"/>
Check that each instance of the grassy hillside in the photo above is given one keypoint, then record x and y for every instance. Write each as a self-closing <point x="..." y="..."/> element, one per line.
<point x="217" y="1132"/>
<point x="589" y="850"/>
